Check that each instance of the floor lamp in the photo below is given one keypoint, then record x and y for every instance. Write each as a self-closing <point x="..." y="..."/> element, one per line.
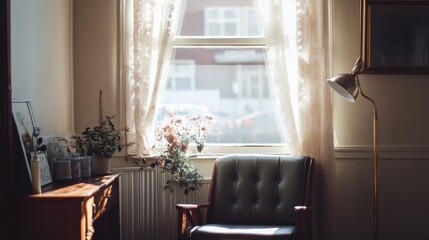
<point x="348" y="86"/>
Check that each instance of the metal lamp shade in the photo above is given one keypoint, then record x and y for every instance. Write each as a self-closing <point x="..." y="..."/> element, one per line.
<point x="346" y="85"/>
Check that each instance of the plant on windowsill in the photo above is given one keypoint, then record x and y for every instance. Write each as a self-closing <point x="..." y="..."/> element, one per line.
<point x="200" y="130"/>
<point x="100" y="142"/>
<point x="172" y="153"/>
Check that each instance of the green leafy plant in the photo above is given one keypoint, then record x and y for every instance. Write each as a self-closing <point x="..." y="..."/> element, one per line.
<point x="102" y="140"/>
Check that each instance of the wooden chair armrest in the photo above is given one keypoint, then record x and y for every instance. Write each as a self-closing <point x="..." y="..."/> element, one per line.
<point x="191" y="206"/>
<point x="304" y="209"/>
<point x="188" y="213"/>
<point x="304" y="221"/>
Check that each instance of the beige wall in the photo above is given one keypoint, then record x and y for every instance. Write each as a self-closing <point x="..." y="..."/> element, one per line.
<point x="41" y="61"/>
<point x="95" y="59"/>
<point x="404" y="141"/>
<point x="400" y="98"/>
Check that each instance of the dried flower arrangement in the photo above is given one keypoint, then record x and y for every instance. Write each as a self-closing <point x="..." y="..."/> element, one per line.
<point x="201" y="130"/>
<point x="172" y="148"/>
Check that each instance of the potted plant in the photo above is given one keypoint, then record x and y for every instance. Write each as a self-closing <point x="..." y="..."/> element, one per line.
<point x="100" y="142"/>
<point x="172" y="152"/>
<point x="200" y="130"/>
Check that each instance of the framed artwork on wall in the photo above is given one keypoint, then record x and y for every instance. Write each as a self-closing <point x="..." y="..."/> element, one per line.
<point x="396" y="36"/>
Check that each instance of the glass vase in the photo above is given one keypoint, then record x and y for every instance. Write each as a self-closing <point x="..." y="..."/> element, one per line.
<point x="200" y="147"/>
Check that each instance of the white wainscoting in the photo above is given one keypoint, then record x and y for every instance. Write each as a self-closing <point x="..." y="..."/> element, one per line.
<point x="385" y="152"/>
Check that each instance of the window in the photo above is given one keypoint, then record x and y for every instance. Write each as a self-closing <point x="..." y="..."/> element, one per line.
<point x="221" y="21"/>
<point x="252" y="26"/>
<point x="255" y="84"/>
<point x="182" y="75"/>
<point x="220" y="67"/>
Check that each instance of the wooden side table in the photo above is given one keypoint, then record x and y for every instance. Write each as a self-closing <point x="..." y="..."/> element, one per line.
<point x="85" y="209"/>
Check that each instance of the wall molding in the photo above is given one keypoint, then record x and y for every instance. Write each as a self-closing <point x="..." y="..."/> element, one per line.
<point x="385" y="152"/>
<point x="342" y="152"/>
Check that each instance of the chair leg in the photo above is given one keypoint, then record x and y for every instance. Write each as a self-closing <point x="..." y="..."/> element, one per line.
<point x="181" y="225"/>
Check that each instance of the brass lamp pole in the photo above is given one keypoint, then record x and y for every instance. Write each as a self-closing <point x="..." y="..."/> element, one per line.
<point x="348" y="86"/>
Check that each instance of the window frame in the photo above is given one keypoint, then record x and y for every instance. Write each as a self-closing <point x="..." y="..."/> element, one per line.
<point x="216" y="149"/>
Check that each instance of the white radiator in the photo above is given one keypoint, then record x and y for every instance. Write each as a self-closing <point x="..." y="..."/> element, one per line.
<point x="147" y="211"/>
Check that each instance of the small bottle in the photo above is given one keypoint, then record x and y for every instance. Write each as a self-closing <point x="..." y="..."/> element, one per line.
<point x="35" y="174"/>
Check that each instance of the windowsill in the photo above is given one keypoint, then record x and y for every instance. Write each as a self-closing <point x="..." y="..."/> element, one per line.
<point x="203" y="156"/>
<point x="214" y="151"/>
<point x="204" y="161"/>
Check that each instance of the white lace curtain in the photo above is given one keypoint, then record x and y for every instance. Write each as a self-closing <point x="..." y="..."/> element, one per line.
<point x="147" y="31"/>
<point x="296" y="41"/>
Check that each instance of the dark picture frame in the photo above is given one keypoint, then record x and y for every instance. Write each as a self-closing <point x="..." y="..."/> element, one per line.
<point x="396" y="37"/>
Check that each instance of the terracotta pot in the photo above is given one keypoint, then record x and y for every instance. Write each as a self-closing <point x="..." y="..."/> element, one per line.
<point x="100" y="165"/>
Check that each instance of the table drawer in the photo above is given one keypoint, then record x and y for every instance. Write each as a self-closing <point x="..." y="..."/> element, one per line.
<point x="105" y="198"/>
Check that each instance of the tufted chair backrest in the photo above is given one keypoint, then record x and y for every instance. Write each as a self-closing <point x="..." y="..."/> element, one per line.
<point x="259" y="189"/>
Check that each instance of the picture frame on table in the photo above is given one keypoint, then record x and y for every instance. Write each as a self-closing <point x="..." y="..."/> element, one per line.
<point x="25" y="126"/>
